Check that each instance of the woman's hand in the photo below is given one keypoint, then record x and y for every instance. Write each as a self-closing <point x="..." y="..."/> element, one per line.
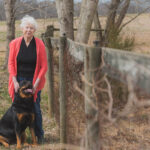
<point x="36" y="85"/>
<point x="16" y="84"/>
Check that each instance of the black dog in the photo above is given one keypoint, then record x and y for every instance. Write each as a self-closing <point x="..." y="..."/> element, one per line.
<point x="18" y="117"/>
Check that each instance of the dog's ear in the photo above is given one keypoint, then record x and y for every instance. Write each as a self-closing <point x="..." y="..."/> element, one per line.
<point x="24" y="82"/>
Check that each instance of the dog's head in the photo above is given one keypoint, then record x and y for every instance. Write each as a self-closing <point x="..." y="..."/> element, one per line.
<point x="25" y="90"/>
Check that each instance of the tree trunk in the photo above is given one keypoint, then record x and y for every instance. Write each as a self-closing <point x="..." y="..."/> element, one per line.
<point x="114" y="21"/>
<point x="122" y="13"/>
<point x="65" y="17"/>
<point x="97" y="25"/>
<point x="112" y="14"/>
<point x="87" y="13"/>
<point x="10" y="23"/>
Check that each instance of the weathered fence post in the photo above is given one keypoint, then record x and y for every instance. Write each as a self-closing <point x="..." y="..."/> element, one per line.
<point x="50" y="77"/>
<point x="62" y="89"/>
<point x="92" y="61"/>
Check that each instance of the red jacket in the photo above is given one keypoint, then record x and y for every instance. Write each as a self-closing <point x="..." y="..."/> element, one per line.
<point x="41" y="64"/>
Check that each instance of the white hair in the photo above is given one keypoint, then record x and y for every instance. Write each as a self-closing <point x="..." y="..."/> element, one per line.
<point x="28" y="19"/>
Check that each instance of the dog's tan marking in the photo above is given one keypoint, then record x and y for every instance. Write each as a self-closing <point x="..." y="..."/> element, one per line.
<point x="24" y="96"/>
<point x="33" y="117"/>
<point x="18" y="141"/>
<point x="3" y="140"/>
<point x="20" y="116"/>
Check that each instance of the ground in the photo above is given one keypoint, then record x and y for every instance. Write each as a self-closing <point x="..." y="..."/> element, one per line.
<point x="132" y="133"/>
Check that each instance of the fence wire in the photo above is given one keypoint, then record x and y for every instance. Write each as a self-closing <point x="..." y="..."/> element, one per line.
<point x="123" y="109"/>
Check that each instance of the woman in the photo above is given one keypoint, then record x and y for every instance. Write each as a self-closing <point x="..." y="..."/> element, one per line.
<point x="28" y="61"/>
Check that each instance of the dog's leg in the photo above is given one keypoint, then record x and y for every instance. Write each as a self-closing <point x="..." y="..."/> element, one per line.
<point x="34" y="141"/>
<point x="4" y="141"/>
<point x="31" y="127"/>
<point x="24" y="139"/>
<point x="18" y="141"/>
<point x="18" y="132"/>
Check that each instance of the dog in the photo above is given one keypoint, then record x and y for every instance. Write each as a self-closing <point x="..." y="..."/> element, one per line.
<point x="18" y="117"/>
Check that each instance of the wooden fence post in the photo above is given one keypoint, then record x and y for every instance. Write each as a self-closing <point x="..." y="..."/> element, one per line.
<point x="62" y="89"/>
<point x="92" y="61"/>
<point x="50" y="77"/>
<point x="50" y="30"/>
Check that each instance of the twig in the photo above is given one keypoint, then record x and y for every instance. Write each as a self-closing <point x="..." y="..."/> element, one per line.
<point x="87" y="98"/>
<point x="134" y="18"/>
<point x="132" y="100"/>
<point x="110" y="98"/>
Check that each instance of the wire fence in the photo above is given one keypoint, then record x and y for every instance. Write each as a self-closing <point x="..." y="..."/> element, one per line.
<point x="112" y="92"/>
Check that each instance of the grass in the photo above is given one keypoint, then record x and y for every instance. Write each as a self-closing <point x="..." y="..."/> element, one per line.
<point x="2" y="36"/>
<point x="119" y="41"/>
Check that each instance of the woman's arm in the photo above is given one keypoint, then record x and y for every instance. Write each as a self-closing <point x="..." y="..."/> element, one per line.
<point x="11" y="59"/>
<point x="36" y="85"/>
<point x="16" y="84"/>
<point x="11" y="65"/>
<point x="43" y="61"/>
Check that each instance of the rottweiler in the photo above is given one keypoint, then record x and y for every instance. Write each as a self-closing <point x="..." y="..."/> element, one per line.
<point x="18" y="117"/>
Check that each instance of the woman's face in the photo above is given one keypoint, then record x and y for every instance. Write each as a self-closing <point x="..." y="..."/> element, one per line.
<point x="28" y="30"/>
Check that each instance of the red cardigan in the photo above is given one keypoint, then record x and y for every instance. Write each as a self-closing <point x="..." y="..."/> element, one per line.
<point x="41" y="64"/>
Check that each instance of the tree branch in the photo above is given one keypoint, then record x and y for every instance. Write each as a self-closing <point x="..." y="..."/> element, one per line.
<point x="134" y="18"/>
<point x="122" y="13"/>
<point x="112" y="13"/>
<point x="29" y="10"/>
<point x="87" y="98"/>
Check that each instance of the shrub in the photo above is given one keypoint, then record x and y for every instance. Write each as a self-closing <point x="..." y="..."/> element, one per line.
<point x="120" y="40"/>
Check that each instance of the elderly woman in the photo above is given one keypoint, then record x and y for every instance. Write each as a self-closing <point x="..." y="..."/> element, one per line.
<point x="28" y="61"/>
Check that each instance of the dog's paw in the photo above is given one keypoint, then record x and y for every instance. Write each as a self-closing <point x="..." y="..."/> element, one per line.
<point x="18" y="147"/>
<point x="34" y="144"/>
<point x="26" y="144"/>
<point x="6" y="145"/>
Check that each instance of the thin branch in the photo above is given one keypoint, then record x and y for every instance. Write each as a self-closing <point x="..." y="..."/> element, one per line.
<point x="110" y="106"/>
<point x="132" y="99"/>
<point x="87" y="98"/>
<point x="30" y="10"/>
<point x="122" y="13"/>
<point x="85" y="81"/>
<point x="134" y="18"/>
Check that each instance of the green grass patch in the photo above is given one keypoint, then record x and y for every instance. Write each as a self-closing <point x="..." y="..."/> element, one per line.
<point x="2" y="23"/>
<point x="119" y="40"/>
<point x="2" y="36"/>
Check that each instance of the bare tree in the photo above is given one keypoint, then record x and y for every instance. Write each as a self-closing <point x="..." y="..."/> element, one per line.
<point x="65" y="16"/>
<point x="10" y="22"/>
<point x="114" y="19"/>
<point x="2" y="12"/>
<point x="116" y="13"/>
<point x="88" y="9"/>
